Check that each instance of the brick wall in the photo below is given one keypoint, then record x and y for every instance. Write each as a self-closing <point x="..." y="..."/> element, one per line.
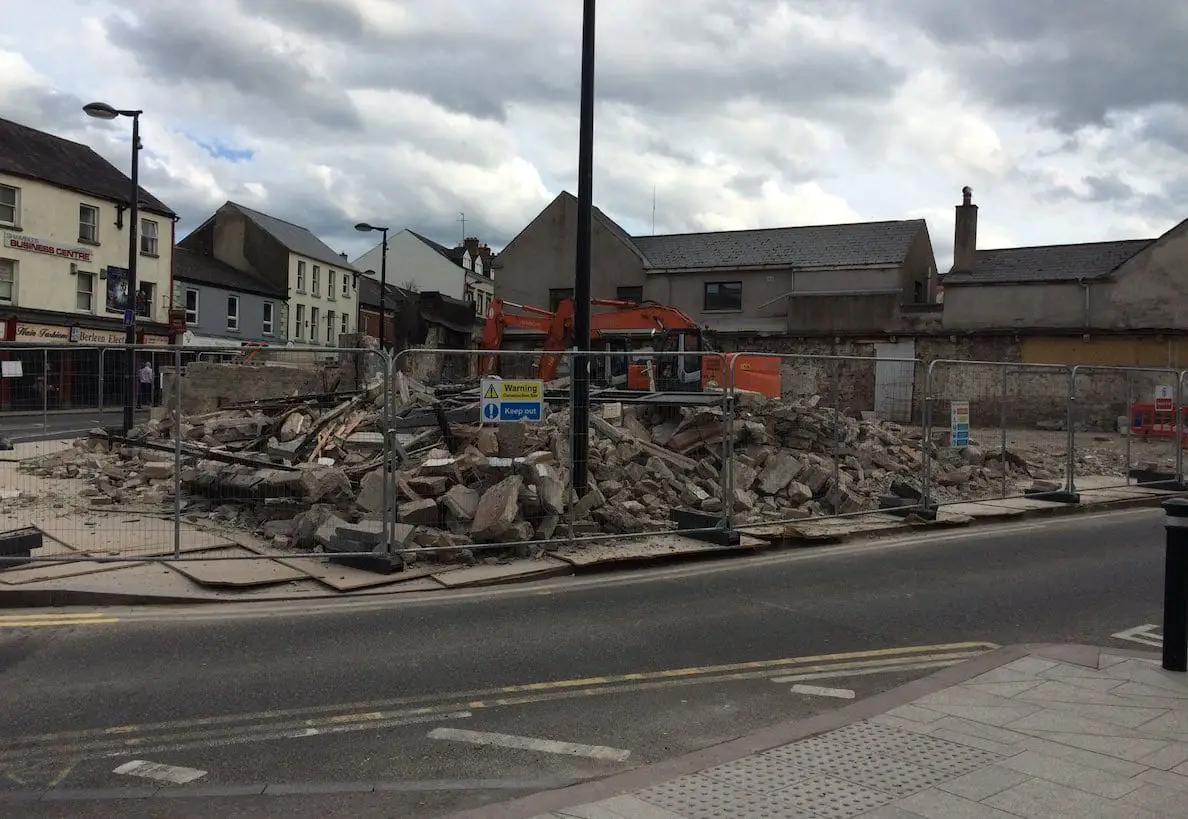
<point x="967" y="368"/>
<point x="207" y="386"/>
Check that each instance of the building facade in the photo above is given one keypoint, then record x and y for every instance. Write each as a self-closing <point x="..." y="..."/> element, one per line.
<point x="320" y="285"/>
<point x="862" y="277"/>
<point x="64" y="277"/>
<point x="225" y="307"/>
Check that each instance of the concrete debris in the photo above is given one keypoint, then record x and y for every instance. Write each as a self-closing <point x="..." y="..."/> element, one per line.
<point x="297" y="471"/>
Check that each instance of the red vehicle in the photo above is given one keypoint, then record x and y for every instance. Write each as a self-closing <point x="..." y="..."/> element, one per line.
<point x="634" y="330"/>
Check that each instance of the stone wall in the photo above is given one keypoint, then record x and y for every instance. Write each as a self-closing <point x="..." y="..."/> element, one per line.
<point x="207" y="386"/>
<point x="987" y="371"/>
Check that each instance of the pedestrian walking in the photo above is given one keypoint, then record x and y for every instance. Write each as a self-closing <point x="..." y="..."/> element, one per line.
<point x="146" y="384"/>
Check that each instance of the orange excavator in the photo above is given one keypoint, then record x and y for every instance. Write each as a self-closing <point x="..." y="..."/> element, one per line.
<point x="637" y="331"/>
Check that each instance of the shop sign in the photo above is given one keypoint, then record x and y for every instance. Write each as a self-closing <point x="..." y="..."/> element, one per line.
<point x="156" y="341"/>
<point x="52" y="333"/>
<point x="19" y="241"/>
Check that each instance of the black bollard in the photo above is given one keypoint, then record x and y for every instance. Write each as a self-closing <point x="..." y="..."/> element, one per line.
<point x="1175" y="586"/>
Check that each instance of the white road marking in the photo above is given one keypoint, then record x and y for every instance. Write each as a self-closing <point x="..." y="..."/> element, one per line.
<point x="162" y="773"/>
<point x="547" y="746"/>
<point x="818" y="691"/>
<point x="1147" y="635"/>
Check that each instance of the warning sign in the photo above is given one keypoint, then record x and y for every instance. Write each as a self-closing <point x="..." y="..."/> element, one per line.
<point x="511" y="400"/>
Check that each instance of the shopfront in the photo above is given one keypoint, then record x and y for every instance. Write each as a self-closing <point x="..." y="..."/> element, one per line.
<point x="91" y="372"/>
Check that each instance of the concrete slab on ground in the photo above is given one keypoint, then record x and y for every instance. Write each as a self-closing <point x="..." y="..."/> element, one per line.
<point x="348" y="578"/>
<point x="827" y="530"/>
<point x="54" y="570"/>
<point x="219" y="568"/>
<point x="33" y="449"/>
<point x="652" y="547"/>
<point x="515" y="571"/>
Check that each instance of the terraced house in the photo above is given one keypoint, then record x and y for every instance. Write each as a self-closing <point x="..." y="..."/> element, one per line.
<point x="64" y="268"/>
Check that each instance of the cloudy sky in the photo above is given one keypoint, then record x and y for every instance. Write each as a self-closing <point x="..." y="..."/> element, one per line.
<point x="1069" y="120"/>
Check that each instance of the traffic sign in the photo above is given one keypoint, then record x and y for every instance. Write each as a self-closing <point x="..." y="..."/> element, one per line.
<point x="511" y="400"/>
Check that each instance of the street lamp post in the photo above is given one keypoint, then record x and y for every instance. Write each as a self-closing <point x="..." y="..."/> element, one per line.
<point x="580" y="377"/>
<point x="363" y="227"/>
<point x="101" y="110"/>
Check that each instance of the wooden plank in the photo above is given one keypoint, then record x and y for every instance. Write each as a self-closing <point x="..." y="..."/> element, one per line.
<point x="236" y="574"/>
<point x="348" y="578"/>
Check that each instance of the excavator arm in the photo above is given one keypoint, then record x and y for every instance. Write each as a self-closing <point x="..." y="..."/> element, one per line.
<point x="498" y="319"/>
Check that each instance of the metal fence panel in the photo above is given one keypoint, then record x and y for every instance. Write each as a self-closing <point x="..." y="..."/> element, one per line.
<point x="841" y="436"/>
<point x="1015" y="426"/>
<point x="1125" y="429"/>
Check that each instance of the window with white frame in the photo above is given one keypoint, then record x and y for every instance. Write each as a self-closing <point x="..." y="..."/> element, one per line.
<point x="346" y="286"/>
<point x="299" y="324"/>
<point x="331" y="291"/>
<point x="233" y="312"/>
<point x="314" y="324"/>
<point x="315" y="281"/>
<point x="88" y="224"/>
<point x="148" y="237"/>
<point x="300" y="277"/>
<point x="7" y="281"/>
<point x="191" y="307"/>
<point x="84" y="297"/>
<point x="345" y="323"/>
<point x="269" y="307"/>
<point x="329" y="326"/>
<point x="10" y="206"/>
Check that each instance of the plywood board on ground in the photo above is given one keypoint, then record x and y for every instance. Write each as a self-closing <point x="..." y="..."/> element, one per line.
<point x="348" y="578"/>
<point x="654" y="547"/>
<point x="832" y="530"/>
<point x="513" y="572"/>
<point x="54" y="570"/>
<point x="125" y="535"/>
<point x="1025" y="504"/>
<point x="33" y="449"/>
<point x="980" y="510"/>
<point x="236" y="573"/>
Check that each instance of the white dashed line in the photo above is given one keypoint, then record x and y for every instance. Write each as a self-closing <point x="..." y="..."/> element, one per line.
<point x="162" y="773"/>
<point x="547" y="746"/>
<point x="1147" y="635"/>
<point x="818" y="691"/>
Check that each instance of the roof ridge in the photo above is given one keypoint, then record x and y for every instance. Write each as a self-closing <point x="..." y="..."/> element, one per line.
<point x="233" y="203"/>
<point x="784" y="227"/>
<point x="1067" y="244"/>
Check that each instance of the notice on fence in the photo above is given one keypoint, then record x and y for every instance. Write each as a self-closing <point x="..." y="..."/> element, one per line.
<point x="511" y="400"/>
<point x="1165" y="398"/>
<point x="959" y="424"/>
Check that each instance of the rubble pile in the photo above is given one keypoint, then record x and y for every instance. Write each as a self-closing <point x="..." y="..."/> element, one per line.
<point x="301" y="471"/>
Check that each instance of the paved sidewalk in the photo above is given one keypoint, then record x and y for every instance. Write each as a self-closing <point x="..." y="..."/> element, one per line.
<point x="1056" y="731"/>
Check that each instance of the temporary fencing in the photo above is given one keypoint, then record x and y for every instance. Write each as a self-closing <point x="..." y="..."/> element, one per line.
<point x="389" y="460"/>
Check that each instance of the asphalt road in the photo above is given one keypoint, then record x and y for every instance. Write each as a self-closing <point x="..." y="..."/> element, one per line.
<point x="636" y="668"/>
<point x="22" y="427"/>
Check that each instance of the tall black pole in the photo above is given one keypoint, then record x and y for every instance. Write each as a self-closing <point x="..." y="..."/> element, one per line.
<point x="133" y="256"/>
<point x="580" y="375"/>
<point x="1175" y="586"/>
<point x="383" y="284"/>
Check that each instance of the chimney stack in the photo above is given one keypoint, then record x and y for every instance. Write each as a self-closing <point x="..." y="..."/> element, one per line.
<point x="345" y="258"/>
<point x="472" y="245"/>
<point x="965" y="233"/>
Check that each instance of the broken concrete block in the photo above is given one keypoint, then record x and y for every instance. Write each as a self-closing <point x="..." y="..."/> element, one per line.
<point x="956" y="477"/>
<point x="797" y="493"/>
<point x="779" y="470"/>
<point x="593" y="499"/>
<point x="422" y="512"/>
<point x="486" y="441"/>
<point x="446" y="467"/>
<point x="326" y="531"/>
<point x="371" y="491"/>
<point x="461" y="502"/>
<point x="324" y="483"/>
<point x="286" y="528"/>
<point x="293" y="427"/>
<point x="550" y="489"/>
<point x="497" y="509"/>
<point x="745" y="475"/>
<point x="156" y="469"/>
<point x="428" y="485"/>
<point x="370" y="532"/>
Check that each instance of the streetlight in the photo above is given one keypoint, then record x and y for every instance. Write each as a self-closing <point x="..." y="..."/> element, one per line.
<point x="580" y="424"/>
<point x="363" y="227"/>
<point x="101" y="110"/>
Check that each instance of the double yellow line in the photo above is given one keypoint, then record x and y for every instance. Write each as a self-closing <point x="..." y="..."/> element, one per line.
<point x="74" y="618"/>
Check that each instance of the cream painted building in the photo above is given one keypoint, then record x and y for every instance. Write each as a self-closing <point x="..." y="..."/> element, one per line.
<point x="419" y="263"/>
<point x="322" y="301"/>
<point x="64" y="245"/>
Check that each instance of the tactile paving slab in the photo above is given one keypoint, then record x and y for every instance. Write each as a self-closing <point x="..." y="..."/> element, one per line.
<point x="761" y="774"/>
<point x="699" y="797"/>
<point x="831" y="798"/>
<point x="925" y="751"/>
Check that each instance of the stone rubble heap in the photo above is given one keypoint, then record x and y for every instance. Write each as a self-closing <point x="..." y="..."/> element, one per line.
<point x="297" y="472"/>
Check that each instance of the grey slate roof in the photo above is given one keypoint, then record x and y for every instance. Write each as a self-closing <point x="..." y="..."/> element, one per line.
<point x="295" y="238"/>
<point x="849" y="245"/>
<point x="192" y="266"/>
<point x="1050" y="263"/>
<point x="37" y="155"/>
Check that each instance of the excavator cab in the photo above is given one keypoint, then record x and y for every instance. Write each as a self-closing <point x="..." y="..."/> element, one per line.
<point x="667" y="372"/>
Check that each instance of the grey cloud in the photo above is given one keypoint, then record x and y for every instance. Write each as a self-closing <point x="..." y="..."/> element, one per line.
<point x="199" y="52"/>
<point x="1107" y="189"/>
<point x="1080" y="62"/>
<point x="325" y="18"/>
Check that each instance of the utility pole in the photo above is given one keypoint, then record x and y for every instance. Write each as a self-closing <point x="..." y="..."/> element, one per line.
<point x="580" y="375"/>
